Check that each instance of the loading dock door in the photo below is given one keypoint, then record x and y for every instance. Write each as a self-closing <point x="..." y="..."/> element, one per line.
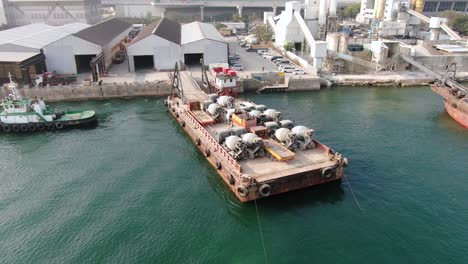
<point x="145" y="62"/>
<point x="193" y="58"/>
<point x="83" y="63"/>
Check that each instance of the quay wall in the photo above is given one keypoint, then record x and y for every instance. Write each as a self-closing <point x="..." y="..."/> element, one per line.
<point x="94" y="92"/>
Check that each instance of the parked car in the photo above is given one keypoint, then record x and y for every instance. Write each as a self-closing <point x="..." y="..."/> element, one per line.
<point x="288" y="69"/>
<point x="267" y="55"/>
<point x="299" y="72"/>
<point x="234" y="56"/>
<point x="261" y="51"/>
<point x="275" y="58"/>
<point x="281" y="66"/>
<point x="238" y="67"/>
<point x="278" y="62"/>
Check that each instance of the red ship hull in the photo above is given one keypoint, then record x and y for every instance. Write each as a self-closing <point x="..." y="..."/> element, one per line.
<point x="457" y="108"/>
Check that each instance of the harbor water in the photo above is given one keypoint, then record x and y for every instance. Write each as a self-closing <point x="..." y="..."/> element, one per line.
<point x="135" y="189"/>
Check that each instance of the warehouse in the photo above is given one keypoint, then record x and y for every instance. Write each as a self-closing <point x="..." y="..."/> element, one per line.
<point x="25" y="47"/>
<point x="163" y="43"/>
<point x="200" y="40"/>
<point x="156" y="47"/>
<point x="111" y="35"/>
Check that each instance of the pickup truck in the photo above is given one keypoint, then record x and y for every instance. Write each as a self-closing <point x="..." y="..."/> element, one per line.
<point x="52" y="78"/>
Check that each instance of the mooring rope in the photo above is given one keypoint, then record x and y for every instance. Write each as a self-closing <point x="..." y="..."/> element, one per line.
<point x="261" y="234"/>
<point x="354" y="196"/>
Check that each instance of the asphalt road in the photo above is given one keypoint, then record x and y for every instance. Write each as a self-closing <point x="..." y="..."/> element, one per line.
<point x="251" y="61"/>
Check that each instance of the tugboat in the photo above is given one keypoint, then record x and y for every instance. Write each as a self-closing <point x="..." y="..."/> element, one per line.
<point x="20" y="115"/>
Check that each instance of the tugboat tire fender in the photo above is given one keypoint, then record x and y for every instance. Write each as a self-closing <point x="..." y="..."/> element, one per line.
<point x="327" y="172"/>
<point x="24" y="128"/>
<point x="264" y="190"/>
<point x="50" y="126"/>
<point x="15" y="128"/>
<point x="40" y="127"/>
<point x="32" y="127"/>
<point x="242" y="191"/>
<point x="6" y="128"/>
<point x="231" y="179"/>
<point x="59" y="125"/>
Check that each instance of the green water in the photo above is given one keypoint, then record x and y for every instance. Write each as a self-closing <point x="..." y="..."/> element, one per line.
<point x="135" y="190"/>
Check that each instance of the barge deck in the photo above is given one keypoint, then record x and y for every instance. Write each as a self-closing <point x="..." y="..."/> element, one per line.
<point x="249" y="153"/>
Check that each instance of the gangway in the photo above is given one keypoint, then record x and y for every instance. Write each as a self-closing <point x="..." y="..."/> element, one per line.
<point x="443" y="26"/>
<point x="438" y="76"/>
<point x="185" y="86"/>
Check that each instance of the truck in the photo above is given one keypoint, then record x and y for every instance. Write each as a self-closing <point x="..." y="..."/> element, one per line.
<point x="52" y="78"/>
<point x="255" y="48"/>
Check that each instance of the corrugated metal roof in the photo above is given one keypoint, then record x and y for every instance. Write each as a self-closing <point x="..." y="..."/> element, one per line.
<point x="195" y="31"/>
<point x="16" y="56"/>
<point x="104" y="32"/>
<point x="19" y="32"/>
<point x="38" y="35"/>
<point x="164" y="28"/>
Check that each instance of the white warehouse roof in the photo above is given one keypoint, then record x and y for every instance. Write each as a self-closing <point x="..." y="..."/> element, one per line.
<point x="196" y="31"/>
<point x="18" y="32"/>
<point x="39" y="35"/>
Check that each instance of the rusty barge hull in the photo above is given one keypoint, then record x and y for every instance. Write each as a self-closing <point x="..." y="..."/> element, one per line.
<point x="457" y="108"/>
<point x="246" y="178"/>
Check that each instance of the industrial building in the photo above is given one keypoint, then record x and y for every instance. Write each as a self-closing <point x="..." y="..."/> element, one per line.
<point x="71" y="48"/>
<point x="164" y="42"/>
<point x="22" y="48"/>
<point x="52" y="12"/>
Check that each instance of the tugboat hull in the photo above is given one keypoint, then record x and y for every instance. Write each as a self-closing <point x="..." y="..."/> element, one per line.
<point x="88" y="122"/>
<point x="457" y="108"/>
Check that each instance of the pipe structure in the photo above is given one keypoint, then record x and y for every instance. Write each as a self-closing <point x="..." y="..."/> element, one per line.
<point x="332" y="8"/>
<point x="323" y="12"/>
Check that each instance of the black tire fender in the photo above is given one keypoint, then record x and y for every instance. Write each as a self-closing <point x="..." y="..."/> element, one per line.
<point x="6" y="128"/>
<point x="50" y="126"/>
<point x="264" y="190"/>
<point x="198" y="141"/>
<point x="327" y="172"/>
<point x="59" y="125"/>
<point x="219" y="166"/>
<point x="24" y="128"/>
<point x="32" y="127"/>
<point x="242" y="191"/>
<point x="231" y="179"/>
<point x="15" y="128"/>
<point x="182" y="123"/>
<point x="40" y="127"/>
<point x="207" y="152"/>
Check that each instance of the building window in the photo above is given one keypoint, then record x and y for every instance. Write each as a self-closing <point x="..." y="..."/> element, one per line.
<point x="459" y="6"/>
<point x="430" y="7"/>
<point x="443" y="6"/>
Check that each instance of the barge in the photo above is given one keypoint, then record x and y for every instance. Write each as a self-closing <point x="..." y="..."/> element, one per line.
<point x="255" y="152"/>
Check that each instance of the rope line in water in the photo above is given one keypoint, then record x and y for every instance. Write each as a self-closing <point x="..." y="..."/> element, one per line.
<point x="351" y="189"/>
<point x="261" y="234"/>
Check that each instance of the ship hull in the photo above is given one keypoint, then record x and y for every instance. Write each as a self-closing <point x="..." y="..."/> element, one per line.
<point x="456" y="114"/>
<point x="288" y="182"/>
<point x="31" y="127"/>
<point x="457" y="108"/>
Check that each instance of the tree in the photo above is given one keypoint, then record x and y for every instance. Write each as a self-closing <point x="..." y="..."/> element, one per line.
<point x="352" y="10"/>
<point x="289" y="46"/>
<point x="262" y="33"/>
<point x="456" y="21"/>
<point x="220" y="26"/>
